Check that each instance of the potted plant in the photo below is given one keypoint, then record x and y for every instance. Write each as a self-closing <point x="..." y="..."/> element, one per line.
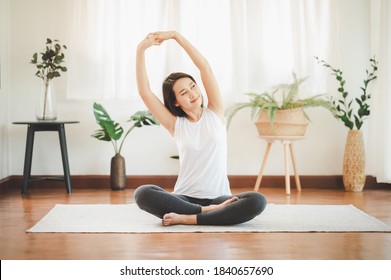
<point x="49" y="65"/>
<point x="112" y="131"/>
<point x="352" y="113"/>
<point x="281" y="112"/>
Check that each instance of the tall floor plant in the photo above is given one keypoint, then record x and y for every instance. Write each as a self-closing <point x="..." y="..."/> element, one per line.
<point x="353" y="112"/>
<point x="112" y="131"/>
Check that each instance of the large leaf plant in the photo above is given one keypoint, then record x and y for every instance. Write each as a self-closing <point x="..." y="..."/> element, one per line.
<point x="112" y="131"/>
<point x="352" y="116"/>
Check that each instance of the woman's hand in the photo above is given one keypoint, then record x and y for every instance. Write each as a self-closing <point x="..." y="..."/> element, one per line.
<point x="150" y="40"/>
<point x="156" y="38"/>
<point x="161" y="36"/>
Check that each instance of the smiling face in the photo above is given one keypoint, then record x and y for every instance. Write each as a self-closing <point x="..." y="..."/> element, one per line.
<point x="181" y="94"/>
<point x="188" y="94"/>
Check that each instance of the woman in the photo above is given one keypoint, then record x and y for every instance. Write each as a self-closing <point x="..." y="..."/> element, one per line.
<point x="201" y="194"/>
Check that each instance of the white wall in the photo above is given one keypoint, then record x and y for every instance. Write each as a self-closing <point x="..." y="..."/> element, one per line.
<point x="4" y="88"/>
<point x="147" y="150"/>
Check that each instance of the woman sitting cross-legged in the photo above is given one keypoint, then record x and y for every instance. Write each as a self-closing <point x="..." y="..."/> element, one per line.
<point x="202" y="193"/>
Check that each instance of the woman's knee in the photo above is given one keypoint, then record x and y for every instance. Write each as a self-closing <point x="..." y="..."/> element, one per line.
<point x="260" y="201"/>
<point x="256" y="200"/>
<point x="143" y="192"/>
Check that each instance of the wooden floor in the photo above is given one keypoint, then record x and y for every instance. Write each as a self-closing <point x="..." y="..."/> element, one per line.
<point x="17" y="214"/>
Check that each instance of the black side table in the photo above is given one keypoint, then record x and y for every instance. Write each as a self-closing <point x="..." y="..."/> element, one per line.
<point x="32" y="127"/>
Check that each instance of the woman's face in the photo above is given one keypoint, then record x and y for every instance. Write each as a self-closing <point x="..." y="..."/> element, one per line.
<point x="188" y="94"/>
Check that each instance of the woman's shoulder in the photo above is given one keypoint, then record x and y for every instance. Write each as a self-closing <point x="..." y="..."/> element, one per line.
<point x="214" y="115"/>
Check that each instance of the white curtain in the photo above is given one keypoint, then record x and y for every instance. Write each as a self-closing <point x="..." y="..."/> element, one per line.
<point x="379" y="149"/>
<point x="104" y="36"/>
<point x="251" y="44"/>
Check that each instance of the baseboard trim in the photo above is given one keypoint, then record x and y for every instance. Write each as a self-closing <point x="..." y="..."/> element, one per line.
<point x="6" y="184"/>
<point x="168" y="181"/>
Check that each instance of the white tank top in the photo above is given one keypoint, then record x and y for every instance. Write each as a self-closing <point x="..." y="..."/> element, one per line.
<point x="202" y="148"/>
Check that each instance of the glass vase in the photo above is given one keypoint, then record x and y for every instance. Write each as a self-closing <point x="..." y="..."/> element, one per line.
<point x="46" y="107"/>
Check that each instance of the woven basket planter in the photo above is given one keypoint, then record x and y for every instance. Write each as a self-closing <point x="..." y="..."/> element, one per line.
<point x="354" y="162"/>
<point x="288" y="122"/>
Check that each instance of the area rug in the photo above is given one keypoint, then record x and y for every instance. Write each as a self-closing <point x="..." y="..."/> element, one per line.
<point x="128" y="218"/>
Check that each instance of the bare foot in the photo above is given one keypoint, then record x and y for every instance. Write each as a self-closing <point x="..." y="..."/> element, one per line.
<point x="214" y="207"/>
<point x="171" y="219"/>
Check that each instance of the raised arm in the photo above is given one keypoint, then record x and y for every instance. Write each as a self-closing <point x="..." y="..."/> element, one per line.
<point x="153" y="103"/>
<point x="209" y="81"/>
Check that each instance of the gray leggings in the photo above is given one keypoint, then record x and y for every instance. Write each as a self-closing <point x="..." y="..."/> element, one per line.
<point x="158" y="202"/>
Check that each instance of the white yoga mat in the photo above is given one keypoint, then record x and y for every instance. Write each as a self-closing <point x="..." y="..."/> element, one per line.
<point x="128" y="218"/>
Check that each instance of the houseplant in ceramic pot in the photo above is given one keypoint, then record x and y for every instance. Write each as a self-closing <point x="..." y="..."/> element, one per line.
<point x="49" y="65"/>
<point x="112" y="131"/>
<point x="281" y="112"/>
<point x="353" y="112"/>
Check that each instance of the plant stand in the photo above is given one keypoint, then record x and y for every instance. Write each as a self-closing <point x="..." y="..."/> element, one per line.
<point x="287" y="141"/>
<point x="32" y="127"/>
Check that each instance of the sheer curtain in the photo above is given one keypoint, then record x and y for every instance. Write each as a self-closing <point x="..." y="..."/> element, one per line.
<point x="379" y="150"/>
<point x="251" y="44"/>
<point x="104" y="36"/>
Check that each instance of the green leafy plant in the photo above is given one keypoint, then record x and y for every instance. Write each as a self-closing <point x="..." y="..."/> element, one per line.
<point x="283" y="96"/>
<point x="49" y="65"/>
<point x="344" y="107"/>
<point x="51" y="59"/>
<point x="112" y="131"/>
